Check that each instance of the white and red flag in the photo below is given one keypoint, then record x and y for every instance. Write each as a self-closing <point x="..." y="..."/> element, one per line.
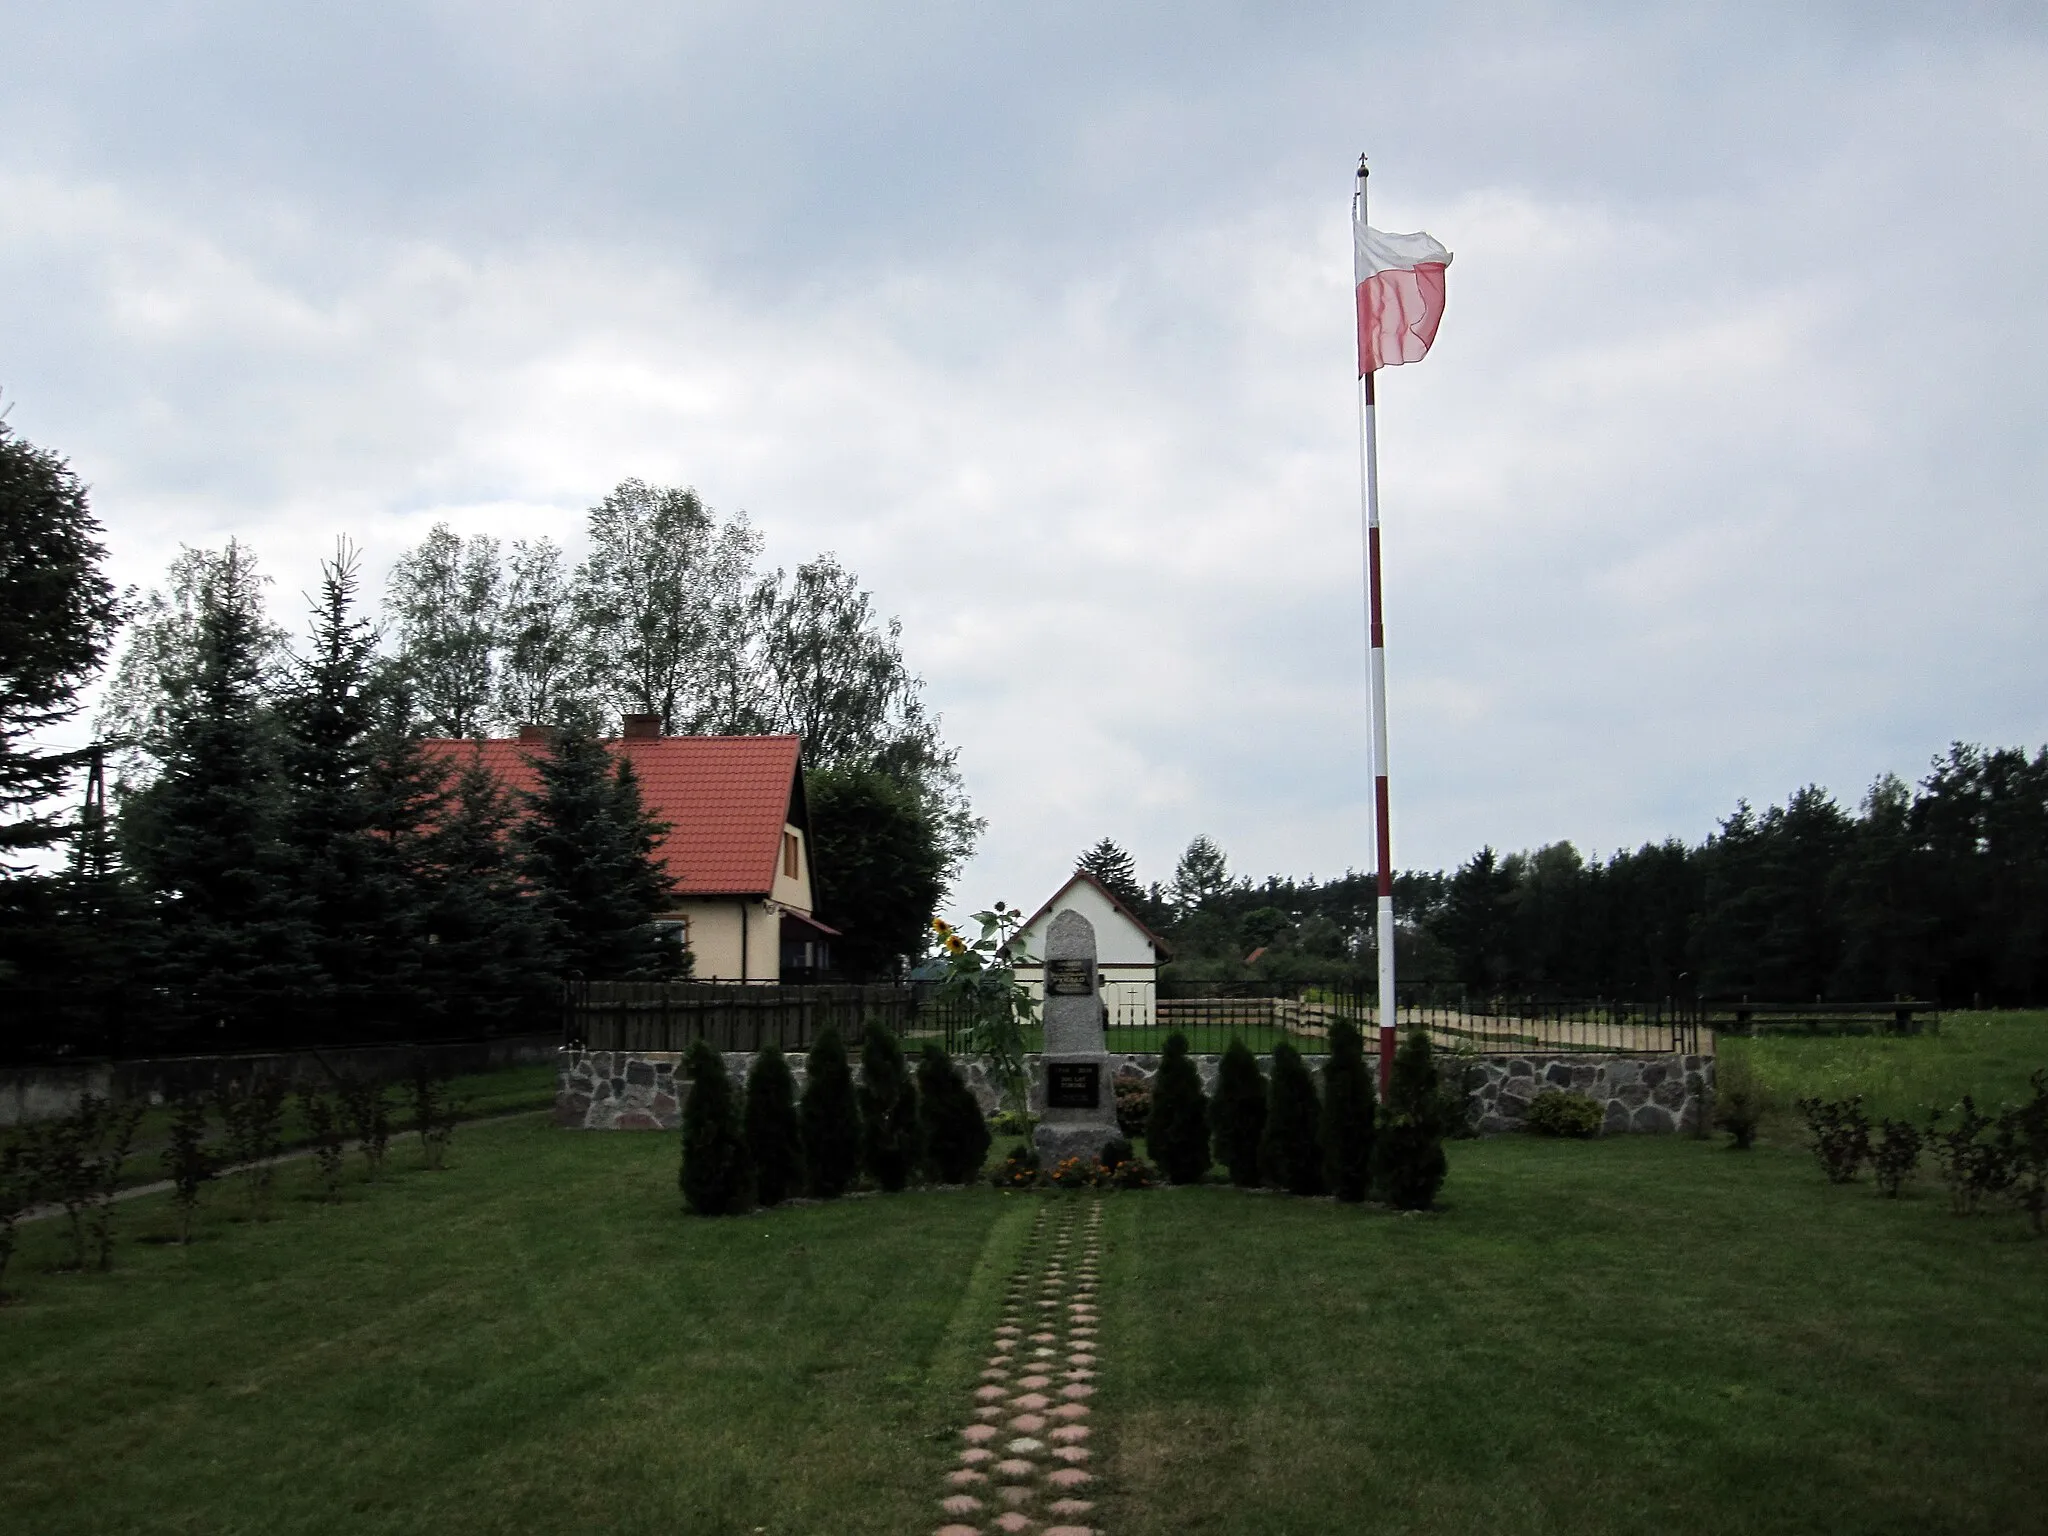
<point x="1400" y="296"/>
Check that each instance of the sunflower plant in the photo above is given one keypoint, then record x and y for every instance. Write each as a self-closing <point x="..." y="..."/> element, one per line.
<point x="981" y="980"/>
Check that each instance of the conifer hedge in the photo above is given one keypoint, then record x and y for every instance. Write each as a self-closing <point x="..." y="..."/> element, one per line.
<point x="956" y="1137"/>
<point x="718" y="1175"/>
<point x="1408" y="1151"/>
<point x="1290" y="1157"/>
<point x="1348" y="1109"/>
<point x="831" y="1122"/>
<point x="1237" y="1115"/>
<point x="1178" y="1131"/>
<point x="888" y="1110"/>
<point x="773" y="1138"/>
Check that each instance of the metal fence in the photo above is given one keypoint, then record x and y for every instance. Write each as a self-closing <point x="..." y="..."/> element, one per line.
<point x="656" y="1016"/>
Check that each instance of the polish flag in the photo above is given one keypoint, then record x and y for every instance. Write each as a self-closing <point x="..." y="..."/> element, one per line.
<point x="1400" y="296"/>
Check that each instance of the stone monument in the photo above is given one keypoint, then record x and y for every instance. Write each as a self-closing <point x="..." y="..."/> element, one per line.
<point x="1080" y="1102"/>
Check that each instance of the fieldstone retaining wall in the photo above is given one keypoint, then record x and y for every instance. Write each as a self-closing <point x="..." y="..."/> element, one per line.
<point x="1646" y="1095"/>
<point x="637" y="1090"/>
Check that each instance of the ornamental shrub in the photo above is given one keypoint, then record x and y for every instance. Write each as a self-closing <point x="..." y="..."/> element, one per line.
<point x="1560" y="1112"/>
<point x="1408" y="1149"/>
<point x="1133" y="1106"/>
<point x="1895" y="1156"/>
<point x="1739" y="1099"/>
<point x="831" y="1122"/>
<point x="1841" y="1135"/>
<point x="1132" y="1173"/>
<point x="1237" y="1115"/>
<point x="326" y="1130"/>
<point x="1018" y="1169"/>
<point x="1348" y="1106"/>
<point x="2023" y="1136"/>
<point x="1177" y="1132"/>
<point x="1972" y="1164"/>
<point x="774" y="1141"/>
<point x="717" y="1176"/>
<point x="888" y="1110"/>
<point x="188" y="1159"/>
<point x="1290" y="1157"/>
<point x="1077" y="1173"/>
<point x="956" y="1137"/>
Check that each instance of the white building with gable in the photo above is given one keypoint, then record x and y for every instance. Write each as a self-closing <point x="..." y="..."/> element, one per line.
<point x="1127" y="953"/>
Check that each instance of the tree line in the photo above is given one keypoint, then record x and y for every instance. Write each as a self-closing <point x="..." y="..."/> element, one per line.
<point x="281" y="860"/>
<point x="1937" y="890"/>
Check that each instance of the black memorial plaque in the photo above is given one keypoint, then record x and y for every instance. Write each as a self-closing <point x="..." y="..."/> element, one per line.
<point x="1069" y="978"/>
<point x="1073" y="1085"/>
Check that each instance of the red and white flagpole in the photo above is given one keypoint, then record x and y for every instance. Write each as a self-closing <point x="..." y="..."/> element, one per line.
<point x="1376" y="643"/>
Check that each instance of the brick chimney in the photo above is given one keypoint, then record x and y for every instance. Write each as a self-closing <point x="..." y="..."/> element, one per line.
<point x="642" y="727"/>
<point x="536" y="733"/>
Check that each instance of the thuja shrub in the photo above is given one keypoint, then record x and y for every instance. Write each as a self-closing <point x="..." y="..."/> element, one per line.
<point x="1133" y="1106"/>
<point x="888" y="1110"/>
<point x="717" y="1176"/>
<point x="1348" y="1111"/>
<point x="1559" y="1112"/>
<point x="831" y="1118"/>
<point x="1895" y="1156"/>
<point x="1290" y="1157"/>
<point x="774" y="1139"/>
<point x="188" y="1159"/>
<point x="1841" y="1135"/>
<point x="1177" y="1131"/>
<point x="1237" y="1115"/>
<point x="954" y="1134"/>
<point x="1408" y="1152"/>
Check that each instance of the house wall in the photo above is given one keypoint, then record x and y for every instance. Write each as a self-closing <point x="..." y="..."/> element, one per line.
<point x="1123" y="955"/>
<point x="715" y="939"/>
<point x="794" y="892"/>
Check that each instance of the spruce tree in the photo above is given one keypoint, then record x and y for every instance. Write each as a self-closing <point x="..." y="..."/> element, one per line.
<point x="1178" y="1132"/>
<point x="589" y="854"/>
<point x="487" y="951"/>
<point x="717" y="1175"/>
<point x="357" y="913"/>
<point x="888" y="1110"/>
<point x="1408" y="1151"/>
<point x="773" y="1137"/>
<point x="1237" y="1115"/>
<point x="1348" y="1103"/>
<point x="1115" y="871"/>
<point x="1289" y="1156"/>
<point x="955" y="1134"/>
<point x="206" y="835"/>
<point x="831" y="1121"/>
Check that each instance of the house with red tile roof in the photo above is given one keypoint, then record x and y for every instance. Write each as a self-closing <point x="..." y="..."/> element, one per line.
<point x="738" y="843"/>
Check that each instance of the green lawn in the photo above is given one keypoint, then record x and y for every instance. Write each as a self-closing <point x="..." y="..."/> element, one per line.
<point x="1613" y="1336"/>
<point x="1986" y="1054"/>
<point x="507" y="1090"/>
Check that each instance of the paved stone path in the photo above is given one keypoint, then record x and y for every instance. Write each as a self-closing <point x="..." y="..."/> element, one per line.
<point x="1025" y="1463"/>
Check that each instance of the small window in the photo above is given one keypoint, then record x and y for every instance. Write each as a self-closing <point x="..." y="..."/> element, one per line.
<point x="790" y="865"/>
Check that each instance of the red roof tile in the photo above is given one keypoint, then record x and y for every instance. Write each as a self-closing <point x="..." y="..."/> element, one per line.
<point x="725" y="799"/>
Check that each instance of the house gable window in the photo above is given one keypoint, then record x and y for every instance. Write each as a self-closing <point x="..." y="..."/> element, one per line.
<point x="792" y="856"/>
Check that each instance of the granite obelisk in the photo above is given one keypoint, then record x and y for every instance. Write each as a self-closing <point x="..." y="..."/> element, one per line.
<point x="1080" y="1105"/>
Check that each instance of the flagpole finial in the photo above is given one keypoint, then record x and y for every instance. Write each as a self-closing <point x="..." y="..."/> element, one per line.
<point x="1362" y="171"/>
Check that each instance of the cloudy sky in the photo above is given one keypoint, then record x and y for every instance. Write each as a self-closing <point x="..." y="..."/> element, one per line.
<point x="1726" y="473"/>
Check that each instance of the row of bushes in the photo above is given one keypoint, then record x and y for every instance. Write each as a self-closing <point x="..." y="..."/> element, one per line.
<point x="1118" y="1166"/>
<point x="1291" y="1133"/>
<point x="79" y="1162"/>
<point x="767" y="1146"/>
<point x="1980" y="1155"/>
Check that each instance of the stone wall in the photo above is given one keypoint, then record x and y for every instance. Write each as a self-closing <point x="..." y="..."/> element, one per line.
<point x="1647" y="1095"/>
<point x="636" y="1091"/>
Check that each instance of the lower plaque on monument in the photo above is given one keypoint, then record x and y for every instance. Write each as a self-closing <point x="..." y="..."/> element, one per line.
<point x="1073" y="1085"/>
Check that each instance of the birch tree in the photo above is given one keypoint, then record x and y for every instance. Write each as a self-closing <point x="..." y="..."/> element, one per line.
<point x="446" y="599"/>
